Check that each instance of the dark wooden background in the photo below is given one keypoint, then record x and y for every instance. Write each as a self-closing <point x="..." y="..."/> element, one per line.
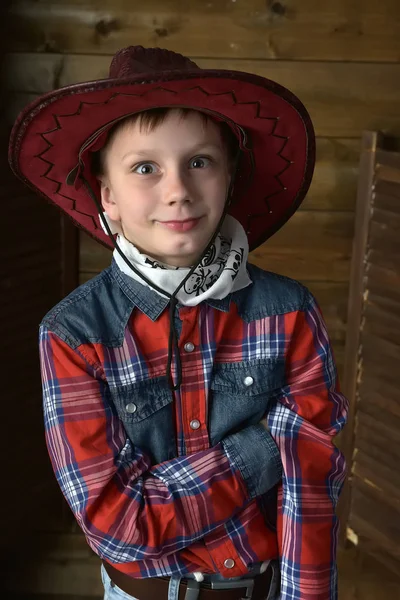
<point x="341" y="57"/>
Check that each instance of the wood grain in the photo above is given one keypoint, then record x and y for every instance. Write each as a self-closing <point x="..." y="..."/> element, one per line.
<point x="254" y="29"/>
<point x="339" y="96"/>
<point x="313" y="246"/>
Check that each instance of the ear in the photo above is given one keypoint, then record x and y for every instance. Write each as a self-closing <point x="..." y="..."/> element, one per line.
<point x="108" y="201"/>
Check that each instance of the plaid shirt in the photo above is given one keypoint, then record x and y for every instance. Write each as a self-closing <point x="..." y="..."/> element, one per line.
<point x="168" y="482"/>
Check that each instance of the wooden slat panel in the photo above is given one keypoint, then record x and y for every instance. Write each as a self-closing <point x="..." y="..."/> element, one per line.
<point x="384" y="232"/>
<point x="380" y="322"/>
<point x="379" y="477"/>
<point x="387" y="188"/>
<point x="386" y="202"/>
<point x="381" y="358"/>
<point x="380" y="393"/>
<point x="379" y="429"/>
<point x="380" y="351"/>
<point x="381" y="275"/>
<point x="387" y="158"/>
<point x="371" y="443"/>
<point x="387" y="425"/>
<point x="383" y="524"/>
<point x="389" y="304"/>
<point x="388" y="173"/>
<point x="341" y="100"/>
<point x="300" y="29"/>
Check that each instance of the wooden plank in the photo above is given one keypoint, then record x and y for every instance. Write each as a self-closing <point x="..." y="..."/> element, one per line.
<point x="388" y="425"/>
<point x="255" y="29"/>
<point x="334" y="185"/>
<point x="381" y="323"/>
<point x="378" y="477"/>
<point x="306" y="265"/>
<point x="381" y="492"/>
<point x="371" y="444"/>
<point x="387" y="158"/>
<point x="370" y="142"/>
<point x="382" y="273"/>
<point x="312" y="246"/>
<point x="387" y="188"/>
<point x="15" y="102"/>
<point x="339" y="96"/>
<point x="380" y="393"/>
<point x="390" y="305"/>
<point x="390" y="173"/>
<point x="381" y="527"/>
<point x="362" y="577"/>
<point x="384" y="232"/>
<point x="381" y="357"/>
<point x="382" y="429"/>
<point x="386" y="202"/>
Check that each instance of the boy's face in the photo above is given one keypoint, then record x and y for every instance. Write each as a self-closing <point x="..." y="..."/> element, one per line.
<point x="168" y="186"/>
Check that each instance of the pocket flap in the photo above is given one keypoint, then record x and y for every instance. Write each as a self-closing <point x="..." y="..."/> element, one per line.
<point x="248" y="378"/>
<point x="142" y="399"/>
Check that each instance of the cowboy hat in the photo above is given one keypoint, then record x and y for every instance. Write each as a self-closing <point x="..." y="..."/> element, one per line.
<point x="54" y="137"/>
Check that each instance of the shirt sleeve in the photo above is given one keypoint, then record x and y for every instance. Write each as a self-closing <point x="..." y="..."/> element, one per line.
<point x="127" y="508"/>
<point x="310" y="411"/>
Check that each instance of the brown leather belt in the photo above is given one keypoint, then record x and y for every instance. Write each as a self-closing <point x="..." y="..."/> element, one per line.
<point x="156" y="588"/>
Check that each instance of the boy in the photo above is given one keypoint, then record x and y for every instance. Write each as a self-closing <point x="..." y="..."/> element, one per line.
<point x="190" y="398"/>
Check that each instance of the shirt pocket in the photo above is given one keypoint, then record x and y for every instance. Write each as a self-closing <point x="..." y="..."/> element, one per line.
<point x="146" y="410"/>
<point x="241" y="394"/>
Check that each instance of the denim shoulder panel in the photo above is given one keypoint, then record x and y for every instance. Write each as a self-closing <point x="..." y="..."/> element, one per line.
<point x="270" y="294"/>
<point x="95" y="312"/>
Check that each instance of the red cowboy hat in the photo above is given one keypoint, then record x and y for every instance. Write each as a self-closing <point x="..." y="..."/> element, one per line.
<point x="52" y="138"/>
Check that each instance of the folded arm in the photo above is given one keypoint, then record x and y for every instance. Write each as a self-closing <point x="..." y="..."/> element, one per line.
<point x="309" y="412"/>
<point x="129" y="509"/>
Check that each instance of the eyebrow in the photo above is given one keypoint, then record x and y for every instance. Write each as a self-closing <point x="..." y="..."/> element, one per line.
<point x="193" y="150"/>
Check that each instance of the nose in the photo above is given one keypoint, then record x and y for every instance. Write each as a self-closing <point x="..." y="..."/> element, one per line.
<point x="176" y="187"/>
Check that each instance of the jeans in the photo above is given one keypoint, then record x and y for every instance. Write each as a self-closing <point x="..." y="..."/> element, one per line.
<point x="113" y="592"/>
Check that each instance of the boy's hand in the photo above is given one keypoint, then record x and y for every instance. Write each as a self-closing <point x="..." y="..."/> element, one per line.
<point x="264" y="422"/>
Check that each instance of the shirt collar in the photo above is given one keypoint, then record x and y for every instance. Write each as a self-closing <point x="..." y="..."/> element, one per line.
<point x="149" y="301"/>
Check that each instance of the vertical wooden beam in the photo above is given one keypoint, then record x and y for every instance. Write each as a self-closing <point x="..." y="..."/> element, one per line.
<point x="371" y="140"/>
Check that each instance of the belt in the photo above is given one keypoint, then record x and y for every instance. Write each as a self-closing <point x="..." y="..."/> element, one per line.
<point x="156" y="588"/>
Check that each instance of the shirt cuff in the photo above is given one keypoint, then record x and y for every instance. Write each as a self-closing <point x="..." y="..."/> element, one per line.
<point x="254" y="452"/>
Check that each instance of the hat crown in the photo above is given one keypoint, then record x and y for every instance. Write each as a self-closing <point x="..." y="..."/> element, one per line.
<point x="134" y="60"/>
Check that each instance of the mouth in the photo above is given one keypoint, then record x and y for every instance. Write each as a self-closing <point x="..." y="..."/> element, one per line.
<point x="182" y="225"/>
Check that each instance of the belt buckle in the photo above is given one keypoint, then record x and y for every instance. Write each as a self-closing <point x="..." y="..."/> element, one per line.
<point x="247" y="583"/>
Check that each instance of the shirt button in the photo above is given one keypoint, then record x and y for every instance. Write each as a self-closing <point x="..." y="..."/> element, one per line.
<point x="248" y="381"/>
<point x="195" y="424"/>
<point x="130" y="408"/>
<point x="229" y="563"/>
<point x="189" y="347"/>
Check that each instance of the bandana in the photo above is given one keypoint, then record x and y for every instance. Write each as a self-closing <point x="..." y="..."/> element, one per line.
<point x="221" y="271"/>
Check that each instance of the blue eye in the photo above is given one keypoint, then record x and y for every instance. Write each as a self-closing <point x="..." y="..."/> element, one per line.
<point x="199" y="162"/>
<point x="145" y="169"/>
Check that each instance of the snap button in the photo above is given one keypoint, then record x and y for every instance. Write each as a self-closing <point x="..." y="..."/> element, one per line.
<point x="195" y="424"/>
<point x="130" y="408"/>
<point x="229" y="563"/>
<point x="248" y="381"/>
<point x="188" y="347"/>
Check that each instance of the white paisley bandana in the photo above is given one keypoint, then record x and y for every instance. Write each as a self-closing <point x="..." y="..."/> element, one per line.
<point x="221" y="271"/>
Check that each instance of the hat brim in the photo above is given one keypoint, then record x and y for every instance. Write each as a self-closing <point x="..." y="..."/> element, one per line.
<point x="49" y="133"/>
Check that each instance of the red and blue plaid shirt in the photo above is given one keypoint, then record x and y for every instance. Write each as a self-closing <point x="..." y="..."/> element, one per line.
<point x="189" y="497"/>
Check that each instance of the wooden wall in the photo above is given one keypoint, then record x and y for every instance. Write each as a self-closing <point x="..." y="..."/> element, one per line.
<point x="340" y="56"/>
